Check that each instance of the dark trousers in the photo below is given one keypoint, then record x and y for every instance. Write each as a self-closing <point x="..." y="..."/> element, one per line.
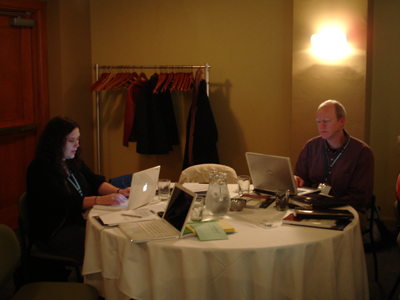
<point x="69" y="241"/>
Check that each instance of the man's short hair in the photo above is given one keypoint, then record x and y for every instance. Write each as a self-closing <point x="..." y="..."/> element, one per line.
<point x="339" y="108"/>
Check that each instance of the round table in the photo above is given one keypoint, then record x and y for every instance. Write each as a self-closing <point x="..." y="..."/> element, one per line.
<point x="286" y="262"/>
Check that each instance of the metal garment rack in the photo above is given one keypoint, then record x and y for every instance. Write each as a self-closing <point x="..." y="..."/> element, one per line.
<point x="124" y="67"/>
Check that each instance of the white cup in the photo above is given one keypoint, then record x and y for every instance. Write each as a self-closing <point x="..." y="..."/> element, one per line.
<point x="163" y="189"/>
<point x="243" y="184"/>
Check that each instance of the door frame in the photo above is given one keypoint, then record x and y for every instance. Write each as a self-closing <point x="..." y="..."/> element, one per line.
<point x="39" y="60"/>
<point x="40" y="88"/>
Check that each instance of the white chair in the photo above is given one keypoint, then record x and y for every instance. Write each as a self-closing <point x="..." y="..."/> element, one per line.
<point x="200" y="173"/>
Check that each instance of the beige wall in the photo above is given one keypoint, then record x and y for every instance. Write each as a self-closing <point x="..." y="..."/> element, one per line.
<point x="249" y="46"/>
<point x="70" y="67"/>
<point x="386" y="103"/>
<point x="316" y="80"/>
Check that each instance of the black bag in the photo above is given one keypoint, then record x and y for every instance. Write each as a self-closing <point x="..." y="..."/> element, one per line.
<point x="383" y="238"/>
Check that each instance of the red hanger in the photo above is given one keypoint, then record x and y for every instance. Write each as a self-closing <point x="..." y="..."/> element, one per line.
<point x="142" y="75"/>
<point x="110" y="84"/>
<point x="160" y="81"/>
<point x="176" y="81"/>
<point x="117" y="81"/>
<point x="167" y="82"/>
<point x="183" y="82"/>
<point x="127" y="82"/>
<point x="105" y="82"/>
<point x="102" y="77"/>
<point x="189" y="82"/>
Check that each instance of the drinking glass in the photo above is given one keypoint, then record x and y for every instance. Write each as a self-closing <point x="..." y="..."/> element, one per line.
<point x="243" y="185"/>
<point x="163" y="189"/>
<point x="282" y="199"/>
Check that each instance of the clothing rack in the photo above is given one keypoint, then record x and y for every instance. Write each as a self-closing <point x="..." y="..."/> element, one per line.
<point x="98" y="68"/>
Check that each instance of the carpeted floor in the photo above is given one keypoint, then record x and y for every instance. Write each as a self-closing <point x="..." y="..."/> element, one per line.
<point x="388" y="271"/>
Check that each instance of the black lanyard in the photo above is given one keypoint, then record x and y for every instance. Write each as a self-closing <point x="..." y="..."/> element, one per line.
<point x="326" y="169"/>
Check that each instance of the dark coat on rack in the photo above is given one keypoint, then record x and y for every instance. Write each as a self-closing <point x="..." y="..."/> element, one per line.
<point x="132" y="98"/>
<point x="205" y="133"/>
<point x="154" y="123"/>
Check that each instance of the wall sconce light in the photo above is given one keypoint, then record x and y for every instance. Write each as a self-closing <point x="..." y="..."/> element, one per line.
<point x="329" y="45"/>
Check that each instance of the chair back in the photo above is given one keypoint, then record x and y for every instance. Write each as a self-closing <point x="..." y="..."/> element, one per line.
<point x="24" y="228"/>
<point x="200" y="173"/>
<point x="10" y="254"/>
<point x="27" y="243"/>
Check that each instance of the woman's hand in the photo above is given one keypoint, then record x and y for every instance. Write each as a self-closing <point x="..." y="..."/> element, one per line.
<point x="125" y="192"/>
<point x="111" y="199"/>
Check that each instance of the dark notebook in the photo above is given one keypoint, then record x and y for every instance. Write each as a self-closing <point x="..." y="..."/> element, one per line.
<point x="323" y="213"/>
<point x="316" y="201"/>
<point x="335" y="224"/>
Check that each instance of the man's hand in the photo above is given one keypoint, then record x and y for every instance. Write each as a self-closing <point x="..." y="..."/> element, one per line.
<point x="299" y="182"/>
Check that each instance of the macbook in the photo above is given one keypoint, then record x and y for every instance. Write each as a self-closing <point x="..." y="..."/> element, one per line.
<point x="143" y="189"/>
<point x="269" y="173"/>
<point x="170" y="226"/>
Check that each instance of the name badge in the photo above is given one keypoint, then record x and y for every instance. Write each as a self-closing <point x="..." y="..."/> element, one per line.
<point x="324" y="188"/>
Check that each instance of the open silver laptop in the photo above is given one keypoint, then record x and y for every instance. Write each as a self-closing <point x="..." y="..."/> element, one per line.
<point x="143" y="189"/>
<point x="170" y="226"/>
<point x="269" y="173"/>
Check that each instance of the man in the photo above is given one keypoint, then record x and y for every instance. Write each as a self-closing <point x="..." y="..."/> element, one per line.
<point x="343" y="165"/>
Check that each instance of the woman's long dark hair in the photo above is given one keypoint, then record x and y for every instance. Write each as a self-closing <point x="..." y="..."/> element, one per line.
<point x="52" y="141"/>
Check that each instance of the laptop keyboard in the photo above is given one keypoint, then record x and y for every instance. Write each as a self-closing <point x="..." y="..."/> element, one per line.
<point x="157" y="229"/>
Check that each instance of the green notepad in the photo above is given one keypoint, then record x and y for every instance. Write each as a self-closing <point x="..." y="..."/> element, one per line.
<point x="210" y="231"/>
<point x="193" y="225"/>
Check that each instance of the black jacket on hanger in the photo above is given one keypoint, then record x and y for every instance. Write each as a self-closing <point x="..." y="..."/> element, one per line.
<point x="155" y="123"/>
<point x="205" y="133"/>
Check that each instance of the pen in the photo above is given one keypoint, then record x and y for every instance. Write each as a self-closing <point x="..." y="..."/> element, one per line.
<point x="128" y="215"/>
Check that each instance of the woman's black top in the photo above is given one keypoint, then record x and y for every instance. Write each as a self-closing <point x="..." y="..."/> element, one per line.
<point x="53" y="201"/>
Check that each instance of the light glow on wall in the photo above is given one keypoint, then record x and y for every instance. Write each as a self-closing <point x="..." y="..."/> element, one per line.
<point x="330" y="44"/>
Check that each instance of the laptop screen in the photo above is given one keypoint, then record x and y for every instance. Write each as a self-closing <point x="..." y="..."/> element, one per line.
<point x="269" y="172"/>
<point x="143" y="187"/>
<point x="179" y="206"/>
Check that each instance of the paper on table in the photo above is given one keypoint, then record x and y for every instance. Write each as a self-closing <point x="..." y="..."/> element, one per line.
<point x="118" y="217"/>
<point x="196" y="187"/>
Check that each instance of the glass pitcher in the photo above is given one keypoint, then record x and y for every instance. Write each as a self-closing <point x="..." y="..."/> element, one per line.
<point x="218" y="200"/>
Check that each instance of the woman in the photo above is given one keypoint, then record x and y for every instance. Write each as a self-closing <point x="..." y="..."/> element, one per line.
<point x="60" y="187"/>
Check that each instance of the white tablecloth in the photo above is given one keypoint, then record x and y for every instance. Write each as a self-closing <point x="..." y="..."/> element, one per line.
<point x="287" y="262"/>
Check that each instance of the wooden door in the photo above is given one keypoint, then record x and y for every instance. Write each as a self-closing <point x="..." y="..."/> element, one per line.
<point x="23" y="99"/>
